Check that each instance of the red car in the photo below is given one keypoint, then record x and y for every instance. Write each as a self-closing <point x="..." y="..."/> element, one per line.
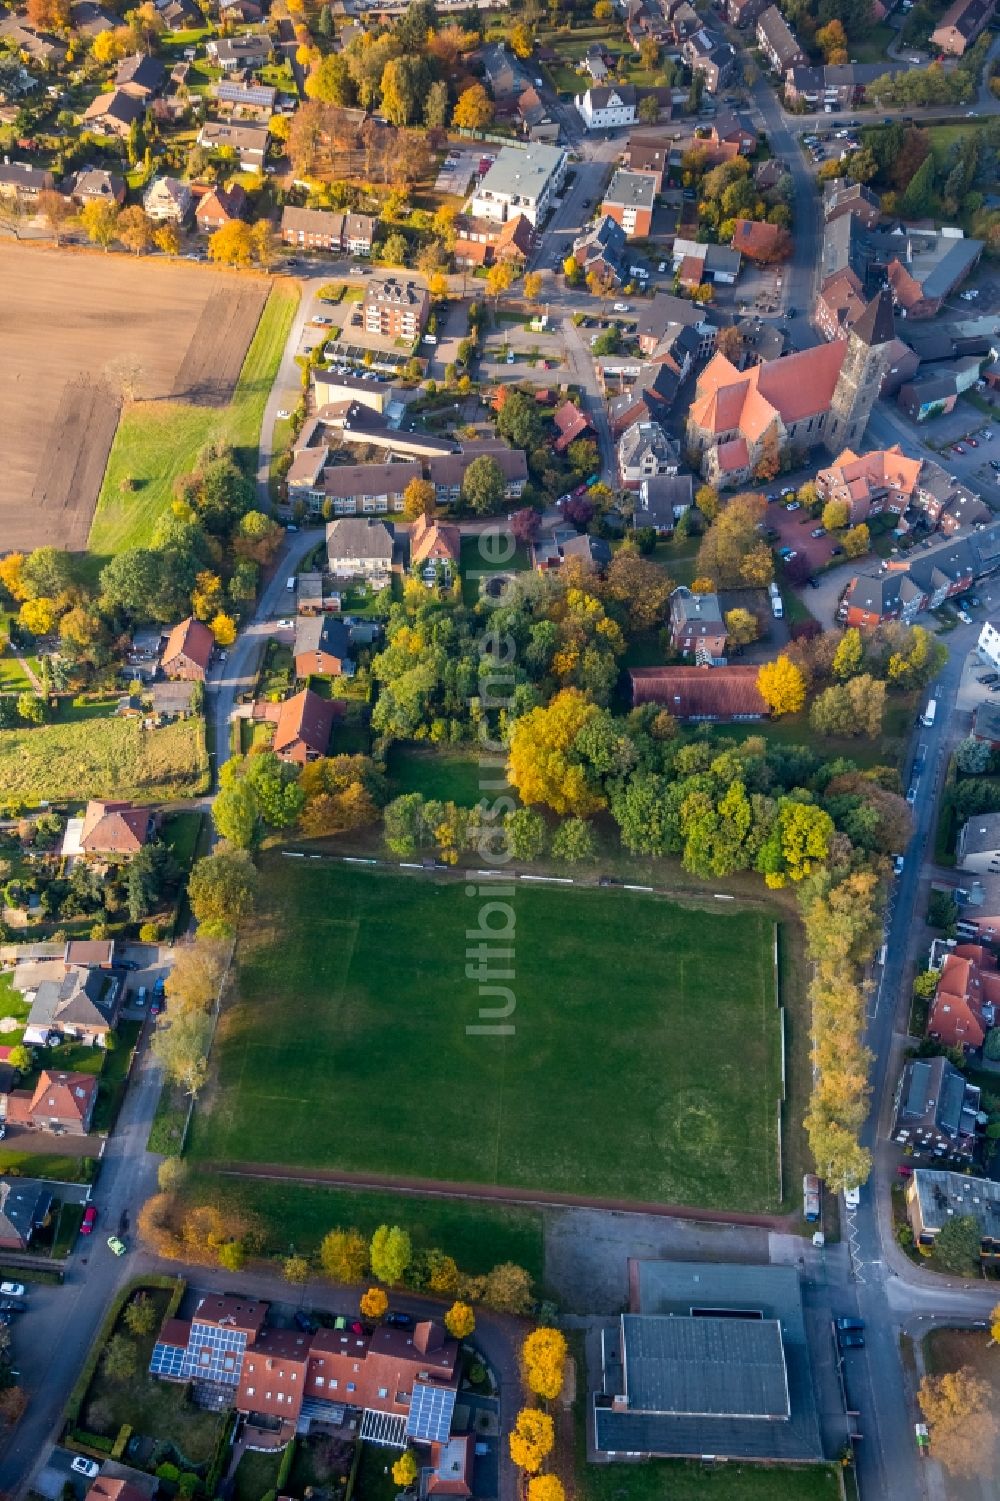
<point x="580" y="490"/>
<point x="957" y="448"/>
<point x="89" y="1220"/>
<point x="904" y="1171"/>
<point x="972" y="442"/>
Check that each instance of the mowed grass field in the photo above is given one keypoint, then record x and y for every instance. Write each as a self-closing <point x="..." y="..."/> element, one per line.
<point x="644" y="1062"/>
<point x="103" y="758"/>
<point x="157" y="441"/>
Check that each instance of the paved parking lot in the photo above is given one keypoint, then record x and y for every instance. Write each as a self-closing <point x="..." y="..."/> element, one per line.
<point x="459" y="168"/>
<point x="793" y="528"/>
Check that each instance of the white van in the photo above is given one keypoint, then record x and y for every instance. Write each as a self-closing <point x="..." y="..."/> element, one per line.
<point x="291" y="582"/>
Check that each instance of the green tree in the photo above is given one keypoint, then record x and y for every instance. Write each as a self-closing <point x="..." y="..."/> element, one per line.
<point x="343" y="1255"/>
<point x="131" y="581"/>
<point x="483" y="486"/>
<point x="295" y="1269"/>
<point x="957" y="1246"/>
<point x="574" y="842"/>
<point x="222" y="889"/>
<point x="525" y="829"/>
<point x="140" y="1315"/>
<point x="518" y="421"/>
<point x="234" y="813"/>
<point x="121" y="1359"/>
<point x="390" y="1253"/>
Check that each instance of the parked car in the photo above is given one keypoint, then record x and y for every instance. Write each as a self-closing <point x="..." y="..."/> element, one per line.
<point x="793" y="505"/>
<point x="81" y="1465"/>
<point x="957" y="448"/>
<point x="911" y="796"/>
<point x="847" y="1324"/>
<point x="11" y="1289"/>
<point x="897" y="865"/>
<point x="305" y="1322"/>
<point x="851" y="1340"/>
<point x="116" y="1244"/>
<point x="399" y="1320"/>
<point x="818" y="531"/>
<point x="621" y="307"/>
<point x="89" y="1220"/>
<point x="988" y="677"/>
<point x="972" y="442"/>
<point x="786" y="552"/>
<point x="284" y="413"/>
<point x="852" y="1197"/>
<point x="357" y="1327"/>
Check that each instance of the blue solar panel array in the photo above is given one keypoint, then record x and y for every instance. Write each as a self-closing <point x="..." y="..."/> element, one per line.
<point x="431" y="1408"/>
<point x="212" y="1354"/>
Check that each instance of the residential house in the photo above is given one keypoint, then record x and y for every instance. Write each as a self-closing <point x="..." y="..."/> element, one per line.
<point x="946" y="502"/>
<point x="71" y="1000"/>
<point x="188" y="651"/>
<point x="697" y="263"/>
<point x="361" y="547"/>
<point x="721" y="694"/>
<point x="730" y="129"/>
<point x="330" y="389"/>
<point x="663" y="500"/>
<point x="839" y="304"/>
<point x="744" y="12"/>
<point x="248" y="101"/>
<point x="537" y="122"/>
<point x="248" y="138"/>
<point x="607" y="107"/>
<point x="978" y="847"/>
<point x="322" y="645"/>
<point x="480" y="242"/>
<point x="24" y="182"/>
<point x="935" y="1109"/>
<point x="302" y="733"/>
<point x="395" y="309"/>
<point x="664" y="312"/>
<point x="603" y="249"/>
<point x="644" y="450"/>
<point x="711" y="56"/>
<point x="842" y="197"/>
<point x="961" y="24"/>
<point x="181" y="15"/>
<point x="450" y="1470"/>
<point x="761" y="242"/>
<point x="696" y="626"/>
<point x="988" y="645"/>
<point x="924" y="266"/>
<point x="760" y="342"/>
<point x="91" y="953"/>
<point x="310" y="595"/>
<point x="94" y="185"/>
<point x="220" y="207"/>
<point x="968" y="992"/>
<point x="648" y="399"/>
<point x="318" y="229"/>
<point x="931" y="394"/>
<point x="113" y="114"/>
<point x="447" y="471"/>
<point x="922" y="580"/>
<point x="551" y="549"/>
<point x="986" y="724"/>
<point x="113" y="829"/>
<point x="250" y="49"/>
<point x="39" y="46"/>
<point x="629" y="201"/>
<point x="167" y="200"/>
<point x="435" y="548"/>
<point x="394" y="1386"/>
<point x="839" y="85"/>
<point x="522" y="180"/>
<point x="25" y="1207"/>
<point x="778" y="42"/>
<point x="504" y="74"/>
<point x="61" y="1101"/>
<point x="650" y="155"/>
<point x="141" y="76"/>
<point x="822" y="395"/>
<point x="882" y="480"/>
<point x="934" y="1196"/>
<point x="570" y="422"/>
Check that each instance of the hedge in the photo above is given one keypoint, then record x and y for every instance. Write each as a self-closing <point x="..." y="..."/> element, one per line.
<point x="124" y="1434"/>
<point x="84" y="1440"/>
<point x="175" y="1285"/>
<point x="221" y="1455"/>
<point x="285" y="1468"/>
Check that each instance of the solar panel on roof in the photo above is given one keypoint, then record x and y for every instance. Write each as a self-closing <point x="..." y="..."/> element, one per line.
<point x="431" y="1409"/>
<point x="167" y="1361"/>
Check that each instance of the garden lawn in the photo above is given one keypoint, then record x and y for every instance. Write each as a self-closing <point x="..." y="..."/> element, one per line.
<point x="256" y="1475"/>
<point x="478" y="1235"/>
<point x="103" y="758"/>
<point x="158" y="441"/>
<point x="447" y="775"/>
<point x="680" y="1480"/>
<point x="643" y="1058"/>
<point x="13" y="1005"/>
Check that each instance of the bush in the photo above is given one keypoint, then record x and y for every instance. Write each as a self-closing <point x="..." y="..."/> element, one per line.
<point x="991" y="1047"/>
<point x="124" y="1434"/>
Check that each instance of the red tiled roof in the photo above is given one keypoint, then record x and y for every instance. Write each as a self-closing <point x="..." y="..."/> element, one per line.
<point x="691" y="271"/>
<point x="906" y="290"/>
<point x="571" y="422"/>
<point x="307" y="719"/>
<point x="273" y="1376"/>
<point x="733" y="456"/>
<point x="956" y="1015"/>
<point x="798" y="386"/>
<point x="114" y="828"/>
<point x="700" y="692"/>
<point x="753" y="239"/>
<point x="191" y="638"/>
<point x="222" y="203"/>
<point x="106" y="1489"/>
<point x="64" y="1096"/>
<point x="434" y="539"/>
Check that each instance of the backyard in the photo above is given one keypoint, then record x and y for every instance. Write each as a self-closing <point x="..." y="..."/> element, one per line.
<point x="449" y="775"/>
<point x="158" y="441"/>
<point x="105" y="757"/>
<point x="354" y="987"/>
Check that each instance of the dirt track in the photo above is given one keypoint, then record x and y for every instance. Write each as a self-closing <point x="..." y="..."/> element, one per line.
<point x="78" y="332"/>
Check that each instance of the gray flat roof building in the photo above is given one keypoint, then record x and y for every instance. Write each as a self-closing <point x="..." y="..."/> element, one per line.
<point x="716" y="1363"/>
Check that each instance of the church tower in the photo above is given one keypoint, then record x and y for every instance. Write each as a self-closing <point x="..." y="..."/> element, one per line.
<point x="865" y="363"/>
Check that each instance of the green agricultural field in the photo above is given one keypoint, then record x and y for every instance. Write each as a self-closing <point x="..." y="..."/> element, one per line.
<point x="644" y="1060"/>
<point x="103" y="758"/>
<point x="158" y="441"/>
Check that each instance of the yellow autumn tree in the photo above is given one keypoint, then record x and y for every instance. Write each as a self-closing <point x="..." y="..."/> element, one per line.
<point x="543" y="1359"/>
<point x="546" y="1488"/>
<point x="38" y="616"/>
<point x="474" y="108"/>
<point x="223" y="628"/>
<point x="374" y="1303"/>
<point x="542" y="764"/>
<point x="963" y="1430"/>
<point x="531" y="1439"/>
<point x="10" y="575"/>
<point x="460" y="1321"/>
<point x="405" y="1470"/>
<point x="782" y="686"/>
